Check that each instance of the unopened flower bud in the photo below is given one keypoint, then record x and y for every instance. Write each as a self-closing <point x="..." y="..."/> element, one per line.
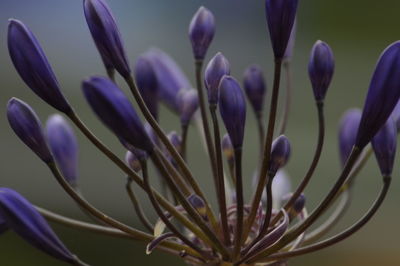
<point x="201" y="32"/>
<point x="396" y="115"/>
<point x="198" y="204"/>
<point x="280" y="153"/>
<point x="26" y="125"/>
<point x="31" y="64"/>
<point x="320" y="69"/>
<point x="188" y="102"/>
<point x="255" y="87"/>
<point x="215" y="70"/>
<point x="299" y="203"/>
<point x="132" y="161"/>
<point x="348" y="132"/>
<point x="64" y="147"/>
<point x="232" y="106"/>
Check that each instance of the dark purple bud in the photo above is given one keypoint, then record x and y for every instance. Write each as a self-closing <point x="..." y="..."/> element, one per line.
<point x="116" y="112"/>
<point x="384" y="144"/>
<point x="232" y="106"/>
<point x="26" y="124"/>
<point x="31" y="64"/>
<point x="320" y="69"/>
<point x="106" y="35"/>
<point x="396" y="115"/>
<point x="255" y="88"/>
<point x="280" y="153"/>
<point x="21" y="217"/>
<point x="215" y="70"/>
<point x="201" y="32"/>
<point x="147" y="83"/>
<point x="383" y="95"/>
<point x="133" y="161"/>
<point x="290" y="47"/>
<point x="198" y="204"/>
<point x="176" y="140"/>
<point x="348" y="128"/>
<point x="170" y="78"/>
<point x="281" y="15"/>
<point x="299" y="203"/>
<point x="227" y="148"/>
<point x="188" y="102"/>
<point x="64" y="147"/>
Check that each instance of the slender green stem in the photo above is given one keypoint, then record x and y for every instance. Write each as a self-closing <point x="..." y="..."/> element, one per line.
<point x="136" y="205"/>
<point x="267" y="149"/>
<point x="317" y="212"/>
<point x="288" y="98"/>
<point x="164" y="218"/>
<point x="221" y="180"/>
<point x="174" y="153"/>
<point x="239" y="203"/>
<point x="185" y="131"/>
<point x="165" y="204"/>
<point x="314" y="163"/>
<point x="343" y="235"/>
<point x="215" y="242"/>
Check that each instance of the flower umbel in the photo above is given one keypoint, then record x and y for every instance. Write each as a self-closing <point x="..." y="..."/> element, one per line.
<point x="268" y="229"/>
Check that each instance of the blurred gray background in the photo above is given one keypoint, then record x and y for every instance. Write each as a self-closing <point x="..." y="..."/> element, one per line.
<point x="357" y="31"/>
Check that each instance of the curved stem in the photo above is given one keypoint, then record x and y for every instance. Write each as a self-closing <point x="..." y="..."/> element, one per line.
<point x="267" y="149"/>
<point x="165" y="219"/>
<point x="268" y="210"/>
<point x="317" y="212"/>
<point x="288" y="98"/>
<point x="314" y="163"/>
<point x="239" y="203"/>
<point x="221" y="182"/>
<point x="343" y="235"/>
<point x="136" y="205"/>
<point x="164" y="139"/>
<point x="185" y="131"/>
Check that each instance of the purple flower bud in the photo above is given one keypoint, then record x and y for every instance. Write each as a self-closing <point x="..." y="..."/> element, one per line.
<point x="290" y="47"/>
<point x="396" y="115"/>
<point x="170" y="78"/>
<point x="348" y="132"/>
<point x="281" y="186"/>
<point x="232" y="106"/>
<point x="147" y="83"/>
<point x="384" y="144"/>
<point x="116" y="112"/>
<point x="31" y="64"/>
<point x="215" y="70"/>
<point x="188" y="102"/>
<point x="21" y="217"/>
<point x="227" y="148"/>
<point x="320" y="69"/>
<point x="64" y="147"/>
<point x="281" y="15"/>
<point x="201" y="32"/>
<point x="198" y="204"/>
<point x="383" y="95"/>
<point x="176" y="140"/>
<point x="255" y="88"/>
<point x="25" y="123"/>
<point x="106" y="35"/>
<point x="133" y="161"/>
<point x="280" y="153"/>
<point x="299" y="204"/>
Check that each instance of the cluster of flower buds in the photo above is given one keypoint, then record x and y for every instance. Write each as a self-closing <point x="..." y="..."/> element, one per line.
<point x="267" y="229"/>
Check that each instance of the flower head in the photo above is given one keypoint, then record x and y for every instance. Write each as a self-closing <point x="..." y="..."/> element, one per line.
<point x="31" y="64"/>
<point x="383" y="95"/>
<point x="64" y="147"/>
<point x="22" y="218"/>
<point x="281" y="15"/>
<point x="215" y="70"/>
<point x="232" y="106"/>
<point x="320" y="69"/>
<point x="255" y="87"/>
<point x="384" y="144"/>
<point x="26" y="124"/>
<point x="106" y="36"/>
<point x="348" y="132"/>
<point x="116" y="112"/>
<point x="201" y="32"/>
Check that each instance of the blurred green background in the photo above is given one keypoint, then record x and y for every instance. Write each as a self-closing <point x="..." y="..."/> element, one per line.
<point x="357" y="31"/>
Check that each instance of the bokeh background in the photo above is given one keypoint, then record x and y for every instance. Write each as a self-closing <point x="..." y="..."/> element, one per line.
<point x="357" y="30"/>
